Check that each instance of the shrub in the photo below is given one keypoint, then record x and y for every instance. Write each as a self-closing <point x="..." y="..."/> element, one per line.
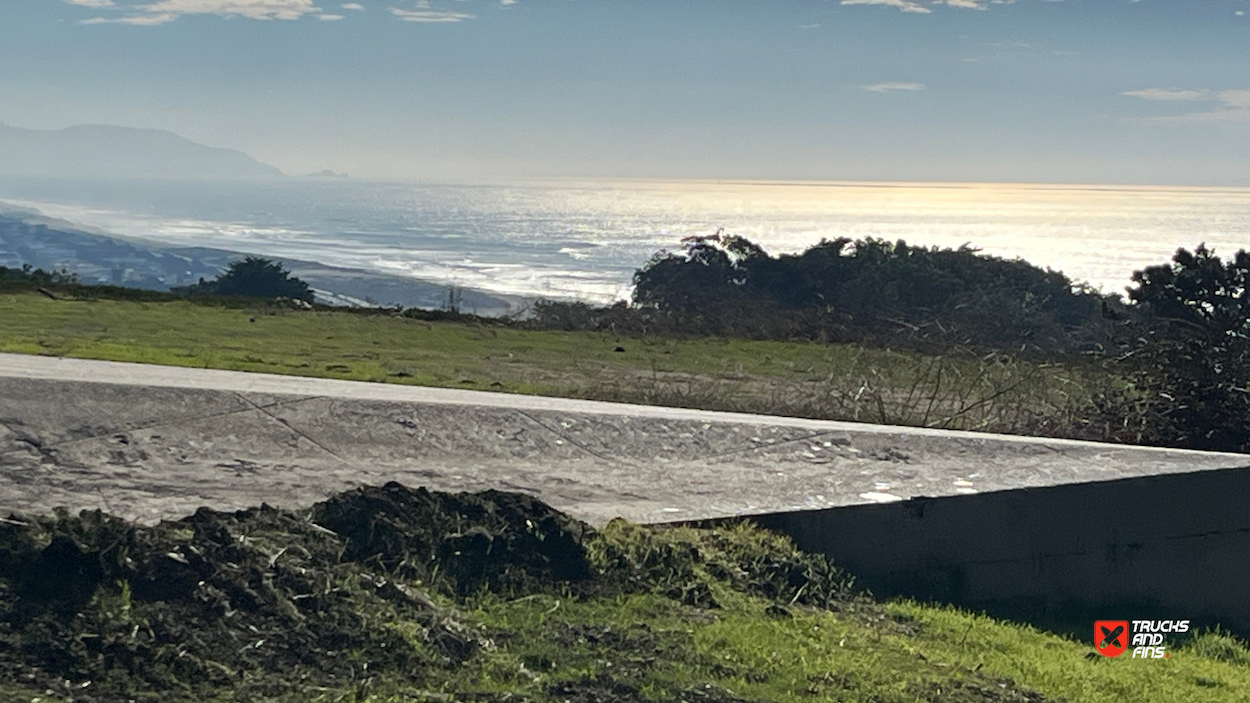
<point x="876" y="292"/>
<point x="1189" y="345"/>
<point x="254" y="277"/>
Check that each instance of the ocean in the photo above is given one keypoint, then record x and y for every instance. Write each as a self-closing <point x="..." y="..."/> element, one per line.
<point x="584" y="239"/>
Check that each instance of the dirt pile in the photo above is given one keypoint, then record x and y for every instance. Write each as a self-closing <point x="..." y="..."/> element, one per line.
<point x="265" y="601"/>
<point x="460" y="543"/>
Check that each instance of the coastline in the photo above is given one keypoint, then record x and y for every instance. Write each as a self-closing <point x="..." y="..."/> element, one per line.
<point x="27" y="237"/>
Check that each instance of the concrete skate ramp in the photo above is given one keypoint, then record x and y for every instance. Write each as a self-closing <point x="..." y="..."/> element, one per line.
<point x="149" y="442"/>
<point x="966" y="517"/>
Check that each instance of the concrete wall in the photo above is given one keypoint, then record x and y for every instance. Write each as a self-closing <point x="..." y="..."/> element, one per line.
<point x="1174" y="546"/>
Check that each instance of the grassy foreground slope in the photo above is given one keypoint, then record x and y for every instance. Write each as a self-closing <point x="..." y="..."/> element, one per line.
<point x="842" y="382"/>
<point x="388" y="594"/>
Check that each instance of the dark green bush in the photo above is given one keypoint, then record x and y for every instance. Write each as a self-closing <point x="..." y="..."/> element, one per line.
<point x="1189" y="348"/>
<point x="254" y="277"/>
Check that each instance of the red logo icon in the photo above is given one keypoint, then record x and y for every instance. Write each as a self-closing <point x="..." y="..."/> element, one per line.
<point x="1111" y="637"/>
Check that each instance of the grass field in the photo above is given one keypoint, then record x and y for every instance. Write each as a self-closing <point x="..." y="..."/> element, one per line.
<point x="842" y="382"/>
<point x="934" y="655"/>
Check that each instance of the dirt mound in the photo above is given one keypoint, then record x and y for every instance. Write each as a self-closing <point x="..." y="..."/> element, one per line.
<point x="265" y="601"/>
<point x="355" y="595"/>
<point x="461" y="543"/>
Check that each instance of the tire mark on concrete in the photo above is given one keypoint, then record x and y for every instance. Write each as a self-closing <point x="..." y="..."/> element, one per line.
<point x="766" y="445"/>
<point x="157" y="424"/>
<point x="575" y="443"/>
<point x="265" y="409"/>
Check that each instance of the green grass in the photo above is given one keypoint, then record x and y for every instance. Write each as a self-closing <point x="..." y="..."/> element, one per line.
<point x="843" y="382"/>
<point x="1209" y="667"/>
<point x="661" y="648"/>
<point x="747" y="648"/>
<point x="858" y="651"/>
<point x="375" y="347"/>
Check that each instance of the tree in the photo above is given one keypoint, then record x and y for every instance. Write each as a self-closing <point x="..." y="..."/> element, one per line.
<point x="1191" y="341"/>
<point x="257" y="277"/>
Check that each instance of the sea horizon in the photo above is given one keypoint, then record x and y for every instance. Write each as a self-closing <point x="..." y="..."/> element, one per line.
<point x="583" y="238"/>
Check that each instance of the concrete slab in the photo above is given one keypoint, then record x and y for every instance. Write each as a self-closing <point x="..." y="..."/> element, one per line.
<point x="150" y="442"/>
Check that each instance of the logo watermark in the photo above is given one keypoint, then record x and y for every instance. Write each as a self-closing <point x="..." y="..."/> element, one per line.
<point x="1144" y="638"/>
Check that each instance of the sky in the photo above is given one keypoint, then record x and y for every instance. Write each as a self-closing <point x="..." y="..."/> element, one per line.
<point x="1071" y="91"/>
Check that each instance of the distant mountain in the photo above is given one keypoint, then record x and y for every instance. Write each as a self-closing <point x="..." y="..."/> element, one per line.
<point x="100" y="151"/>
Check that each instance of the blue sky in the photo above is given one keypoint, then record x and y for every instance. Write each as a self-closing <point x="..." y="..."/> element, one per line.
<point x="1102" y="91"/>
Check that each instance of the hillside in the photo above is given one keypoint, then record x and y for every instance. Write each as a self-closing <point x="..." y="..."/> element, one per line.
<point x="102" y="151"/>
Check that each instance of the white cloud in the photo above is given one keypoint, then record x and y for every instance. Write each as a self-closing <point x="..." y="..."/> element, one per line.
<point x="924" y="6"/>
<point x="162" y="11"/>
<point x="330" y="18"/>
<point x="904" y="5"/>
<point x="1169" y="95"/>
<point x="890" y="87"/>
<point x="353" y="6"/>
<point x="1237" y="99"/>
<point x="1233" y="105"/>
<point x="254" y="9"/>
<point x="135" y="20"/>
<point x="427" y="15"/>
